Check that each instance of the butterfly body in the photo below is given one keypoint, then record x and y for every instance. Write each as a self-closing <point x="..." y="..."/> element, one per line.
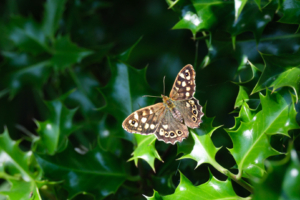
<point x="169" y="120"/>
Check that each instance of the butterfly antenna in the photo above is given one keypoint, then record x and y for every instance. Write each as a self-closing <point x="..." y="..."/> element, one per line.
<point x="164" y="84"/>
<point x="152" y="96"/>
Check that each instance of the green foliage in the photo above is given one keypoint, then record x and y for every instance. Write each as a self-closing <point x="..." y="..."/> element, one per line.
<point x="72" y="71"/>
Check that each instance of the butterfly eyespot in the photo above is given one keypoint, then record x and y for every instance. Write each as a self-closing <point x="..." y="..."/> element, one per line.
<point x="179" y="132"/>
<point x="187" y="74"/>
<point x="194" y="106"/>
<point x="194" y="119"/>
<point x="133" y="122"/>
<point x="166" y="134"/>
<point x="194" y="111"/>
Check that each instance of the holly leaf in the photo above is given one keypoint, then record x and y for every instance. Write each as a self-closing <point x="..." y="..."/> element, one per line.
<point x="282" y="179"/>
<point x="97" y="172"/>
<point x="65" y="53"/>
<point x="145" y="150"/>
<point x="24" y="70"/>
<point x="201" y="148"/>
<point x="16" y="167"/>
<point x="251" y="141"/>
<point x="290" y="9"/>
<point x="280" y="71"/>
<point x="55" y="130"/>
<point x="52" y="14"/>
<point x="123" y="94"/>
<point x="155" y="196"/>
<point x="186" y="190"/>
<point x="27" y="35"/>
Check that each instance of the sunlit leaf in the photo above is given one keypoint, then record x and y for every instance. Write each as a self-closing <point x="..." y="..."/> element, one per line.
<point x="290" y="9"/>
<point x="202" y="150"/>
<point x="251" y="141"/>
<point x="16" y="167"/>
<point x="212" y="189"/>
<point x="145" y="150"/>
<point x="282" y="179"/>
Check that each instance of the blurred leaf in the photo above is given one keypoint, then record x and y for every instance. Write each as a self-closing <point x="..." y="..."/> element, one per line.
<point x="238" y="6"/>
<point x="55" y="130"/>
<point x="123" y="93"/>
<point x="66" y="53"/>
<point x="203" y="149"/>
<point x="291" y="12"/>
<point x="27" y="35"/>
<point x="16" y="167"/>
<point x="212" y="189"/>
<point x="145" y="150"/>
<point x="280" y="71"/>
<point x="125" y="55"/>
<point x="23" y="70"/>
<point x="251" y="142"/>
<point x="282" y="180"/>
<point x="96" y="172"/>
<point x="52" y="14"/>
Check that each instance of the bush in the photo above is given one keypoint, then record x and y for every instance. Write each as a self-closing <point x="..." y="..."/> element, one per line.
<point x="72" y="71"/>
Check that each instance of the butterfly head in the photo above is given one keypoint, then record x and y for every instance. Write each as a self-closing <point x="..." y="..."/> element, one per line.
<point x="167" y="101"/>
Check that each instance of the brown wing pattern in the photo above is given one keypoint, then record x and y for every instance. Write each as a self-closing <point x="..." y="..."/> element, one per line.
<point x="145" y="120"/>
<point x="170" y="130"/>
<point x="184" y="86"/>
<point x="191" y="111"/>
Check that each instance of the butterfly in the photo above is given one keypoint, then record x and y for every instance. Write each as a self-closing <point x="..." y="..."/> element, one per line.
<point x="169" y="119"/>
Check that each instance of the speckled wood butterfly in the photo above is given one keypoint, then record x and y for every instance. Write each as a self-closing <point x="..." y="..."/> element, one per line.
<point x="169" y="120"/>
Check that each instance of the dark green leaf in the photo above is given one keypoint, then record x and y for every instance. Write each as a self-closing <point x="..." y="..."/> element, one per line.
<point x="96" y="172"/>
<point x="291" y="12"/>
<point x="66" y="53"/>
<point x="280" y="71"/>
<point x="55" y="130"/>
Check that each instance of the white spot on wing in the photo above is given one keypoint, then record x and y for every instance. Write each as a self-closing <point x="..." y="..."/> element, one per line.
<point x="152" y="126"/>
<point x="144" y="119"/>
<point x="187" y="94"/>
<point x="165" y="126"/>
<point x="181" y="75"/>
<point x="136" y="116"/>
<point x="183" y="84"/>
<point x="146" y="126"/>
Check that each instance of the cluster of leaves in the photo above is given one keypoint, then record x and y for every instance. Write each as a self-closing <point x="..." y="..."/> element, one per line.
<point x="67" y="83"/>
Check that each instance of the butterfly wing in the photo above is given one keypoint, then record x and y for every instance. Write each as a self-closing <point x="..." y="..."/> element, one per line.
<point x="170" y="130"/>
<point x="145" y="120"/>
<point x="191" y="112"/>
<point x="184" y="86"/>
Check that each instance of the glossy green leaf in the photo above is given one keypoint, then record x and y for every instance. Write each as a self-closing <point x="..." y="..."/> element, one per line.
<point x="212" y="189"/>
<point x="245" y="115"/>
<point x="290" y="9"/>
<point x="282" y="180"/>
<point x="16" y="168"/>
<point x="242" y="97"/>
<point x="52" y="14"/>
<point x="55" y="130"/>
<point x="280" y="71"/>
<point x="123" y="94"/>
<point x="203" y="149"/>
<point x="238" y="7"/>
<point x="145" y="150"/>
<point x="251" y="141"/>
<point x="96" y="172"/>
<point x="66" y="53"/>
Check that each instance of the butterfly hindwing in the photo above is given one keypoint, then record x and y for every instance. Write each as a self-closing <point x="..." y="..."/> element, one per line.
<point x="191" y="111"/>
<point x="184" y="86"/>
<point x="170" y="130"/>
<point x="145" y="120"/>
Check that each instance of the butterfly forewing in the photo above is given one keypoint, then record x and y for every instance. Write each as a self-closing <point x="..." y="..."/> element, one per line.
<point x="170" y="130"/>
<point x="184" y="86"/>
<point x="145" y="120"/>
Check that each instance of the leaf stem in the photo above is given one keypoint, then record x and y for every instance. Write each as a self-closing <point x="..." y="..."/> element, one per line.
<point x="241" y="182"/>
<point x="233" y="177"/>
